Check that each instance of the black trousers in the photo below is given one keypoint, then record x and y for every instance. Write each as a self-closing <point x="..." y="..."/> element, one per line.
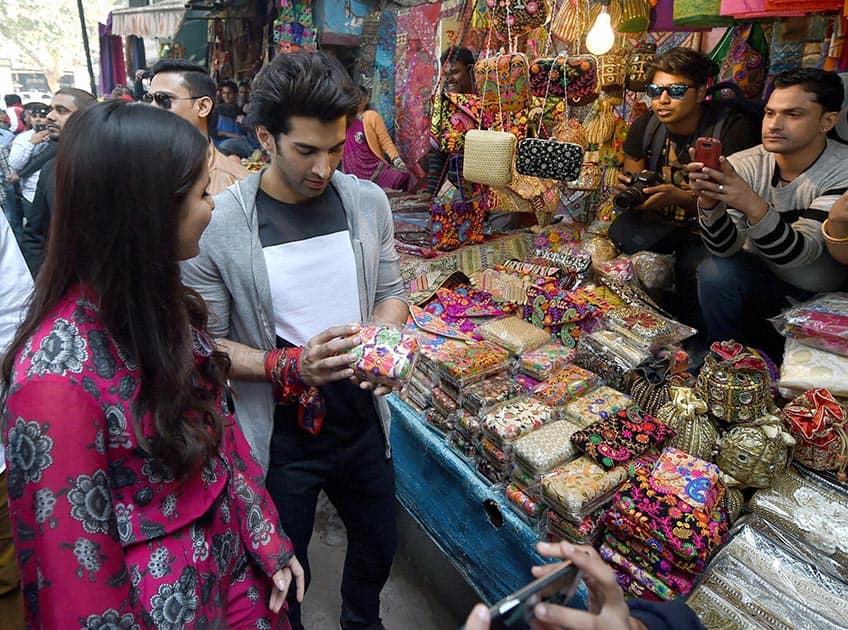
<point x="346" y="460"/>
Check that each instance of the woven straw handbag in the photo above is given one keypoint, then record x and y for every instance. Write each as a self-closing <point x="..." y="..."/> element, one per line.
<point x="488" y="157"/>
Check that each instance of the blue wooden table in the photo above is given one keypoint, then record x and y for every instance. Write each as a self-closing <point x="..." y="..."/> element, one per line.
<point x="490" y="546"/>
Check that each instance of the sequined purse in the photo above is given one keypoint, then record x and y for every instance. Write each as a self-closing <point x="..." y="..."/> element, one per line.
<point x="687" y="415"/>
<point x="818" y="422"/>
<point x="752" y="455"/>
<point x="735" y="383"/>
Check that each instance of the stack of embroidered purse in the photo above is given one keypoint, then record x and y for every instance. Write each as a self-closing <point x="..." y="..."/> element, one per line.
<point x="528" y="508"/>
<point x="460" y="363"/>
<point x="503" y="425"/>
<point x="735" y="383"/>
<point x="600" y="404"/>
<point x="557" y="312"/>
<point x="620" y="438"/>
<point x="466" y="433"/>
<point x="542" y="363"/>
<point x="808" y="508"/>
<point x="647" y="328"/>
<point x="485" y="394"/>
<point x="420" y="388"/>
<point x="514" y="334"/>
<point x="583" y="533"/>
<point x="760" y="580"/>
<point x="541" y="451"/>
<point x="818" y="423"/>
<point x="581" y="487"/>
<point x="667" y="521"/>
<point x="569" y="383"/>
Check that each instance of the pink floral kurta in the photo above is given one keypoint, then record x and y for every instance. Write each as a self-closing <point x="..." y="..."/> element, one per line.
<point x="105" y="537"/>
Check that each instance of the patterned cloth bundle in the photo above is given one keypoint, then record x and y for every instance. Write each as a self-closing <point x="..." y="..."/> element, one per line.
<point x="580" y="487"/>
<point x="599" y="404"/>
<point x="513" y="419"/>
<point x="664" y="523"/>
<point x="461" y="363"/>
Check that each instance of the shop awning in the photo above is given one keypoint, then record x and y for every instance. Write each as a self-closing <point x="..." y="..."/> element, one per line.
<point x="162" y="19"/>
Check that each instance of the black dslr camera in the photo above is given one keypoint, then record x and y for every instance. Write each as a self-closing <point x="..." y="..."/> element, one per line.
<point x="634" y="195"/>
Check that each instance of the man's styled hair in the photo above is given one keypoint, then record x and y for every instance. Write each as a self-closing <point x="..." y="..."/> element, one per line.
<point x="825" y="86"/>
<point x="459" y="55"/>
<point x="311" y="84"/>
<point x="230" y="84"/>
<point x="696" y="67"/>
<point x="195" y="78"/>
<point x="82" y="99"/>
<point x="12" y="99"/>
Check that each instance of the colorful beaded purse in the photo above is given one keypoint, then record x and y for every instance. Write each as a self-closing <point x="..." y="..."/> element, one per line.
<point x="735" y="383"/>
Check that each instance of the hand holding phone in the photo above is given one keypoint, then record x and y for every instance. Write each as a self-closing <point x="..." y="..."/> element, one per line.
<point x="517" y="609"/>
<point x="707" y="151"/>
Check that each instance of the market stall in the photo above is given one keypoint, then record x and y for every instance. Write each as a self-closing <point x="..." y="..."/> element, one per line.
<point x="551" y="397"/>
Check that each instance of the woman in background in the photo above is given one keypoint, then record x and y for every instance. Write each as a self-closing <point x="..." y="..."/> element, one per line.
<point x="367" y="143"/>
<point x="135" y="499"/>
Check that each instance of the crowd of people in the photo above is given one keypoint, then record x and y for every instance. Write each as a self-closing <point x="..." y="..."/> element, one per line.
<point x="176" y="331"/>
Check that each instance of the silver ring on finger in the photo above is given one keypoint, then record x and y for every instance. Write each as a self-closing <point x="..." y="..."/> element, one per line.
<point x="721" y="188"/>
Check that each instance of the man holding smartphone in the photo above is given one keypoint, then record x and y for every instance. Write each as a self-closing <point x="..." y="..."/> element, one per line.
<point x="761" y="214"/>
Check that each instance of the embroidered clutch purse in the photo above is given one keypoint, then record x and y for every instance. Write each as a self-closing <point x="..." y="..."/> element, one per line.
<point x="546" y="448"/>
<point x="543" y="362"/>
<point x="515" y="418"/>
<point x="566" y="385"/>
<point x="386" y="355"/>
<point x="580" y="487"/>
<point x="625" y="435"/>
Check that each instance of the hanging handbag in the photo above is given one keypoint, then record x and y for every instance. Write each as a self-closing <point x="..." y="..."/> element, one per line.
<point x="547" y="77"/>
<point x="590" y="175"/>
<point x="635" y="16"/>
<point x="504" y="82"/>
<point x="570" y="22"/>
<point x="637" y="68"/>
<point x="549" y="158"/>
<point x="612" y="69"/>
<point x="582" y="77"/>
<point x="454" y="223"/>
<point x="742" y="55"/>
<point x="517" y="17"/>
<point x="488" y="157"/>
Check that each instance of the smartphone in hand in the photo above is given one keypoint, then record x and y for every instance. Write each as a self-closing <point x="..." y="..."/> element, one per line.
<point x="516" y="610"/>
<point x="708" y="150"/>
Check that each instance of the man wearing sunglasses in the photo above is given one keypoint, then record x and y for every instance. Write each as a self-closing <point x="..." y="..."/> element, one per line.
<point x="188" y="91"/>
<point x="30" y="150"/>
<point x="659" y="142"/>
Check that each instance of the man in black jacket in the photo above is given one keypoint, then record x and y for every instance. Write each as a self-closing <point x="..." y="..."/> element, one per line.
<point x="65" y="103"/>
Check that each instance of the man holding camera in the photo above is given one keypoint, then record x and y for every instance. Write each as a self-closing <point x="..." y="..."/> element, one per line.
<point x="654" y="181"/>
<point x="761" y="214"/>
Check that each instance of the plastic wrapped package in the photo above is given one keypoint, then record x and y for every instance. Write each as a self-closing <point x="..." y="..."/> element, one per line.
<point x="385" y="356"/>
<point x="569" y="383"/>
<point x="625" y="435"/>
<point x="600" y="404"/>
<point x="439" y="421"/>
<point x="460" y="363"/>
<point x="442" y="401"/>
<point x="468" y="425"/>
<point x="546" y="448"/>
<point x="485" y="394"/>
<point x="620" y="268"/>
<point x="819" y="323"/>
<point x="762" y="578"/>
<point x="543" y="362"/>
<point x="519" y="416"/>
<point x="809" y="511"/>
<point x="653" y="271"/>
<point x="804" y="368"/>
<point x="460" y="445"/>
<point x="580" y="487"/>
<point x="646" y="327"/>
<point x="610" y="355"/>
<point x="514" y="334"/>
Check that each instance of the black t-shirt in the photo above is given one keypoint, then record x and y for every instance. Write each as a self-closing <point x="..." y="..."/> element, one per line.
<point x="738" y="132"/>
<point x="348" y="407"/>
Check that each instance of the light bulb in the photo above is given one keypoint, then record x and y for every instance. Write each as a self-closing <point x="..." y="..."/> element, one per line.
<point x="600" y="38"/>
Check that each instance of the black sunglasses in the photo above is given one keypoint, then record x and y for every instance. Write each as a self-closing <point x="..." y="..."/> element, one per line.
<point x="675" y="90"/>
<point x="165" y="100"/>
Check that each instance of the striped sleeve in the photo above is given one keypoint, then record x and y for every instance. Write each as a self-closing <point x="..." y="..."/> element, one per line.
<point x="719" y="231"/>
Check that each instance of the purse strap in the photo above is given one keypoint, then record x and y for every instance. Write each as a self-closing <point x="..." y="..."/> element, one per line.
<point x="548" y="88"/>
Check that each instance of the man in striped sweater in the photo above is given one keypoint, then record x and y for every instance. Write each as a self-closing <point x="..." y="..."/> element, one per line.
<point x="761" y="214"/>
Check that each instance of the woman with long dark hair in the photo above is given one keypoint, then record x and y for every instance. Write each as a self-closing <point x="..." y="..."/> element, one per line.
<point x="135" y="499"/>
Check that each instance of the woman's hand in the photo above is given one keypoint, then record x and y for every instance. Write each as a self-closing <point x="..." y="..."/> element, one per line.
<point x="282" y="580"/>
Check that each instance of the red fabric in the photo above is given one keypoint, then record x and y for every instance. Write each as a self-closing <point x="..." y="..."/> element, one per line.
<point x="103" y="533"/>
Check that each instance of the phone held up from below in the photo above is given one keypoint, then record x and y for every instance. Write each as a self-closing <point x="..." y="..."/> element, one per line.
<point x="708" y="150"/>
<point x="516" y="610"/>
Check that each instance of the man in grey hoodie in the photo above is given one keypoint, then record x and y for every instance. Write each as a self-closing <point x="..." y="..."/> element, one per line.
<point x="294" y="258"/>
